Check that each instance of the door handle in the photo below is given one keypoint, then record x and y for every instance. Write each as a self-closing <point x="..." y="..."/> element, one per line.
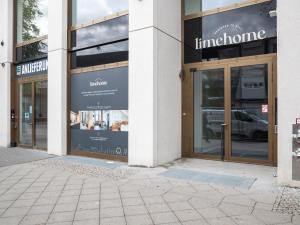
<point x="224" y="125"/>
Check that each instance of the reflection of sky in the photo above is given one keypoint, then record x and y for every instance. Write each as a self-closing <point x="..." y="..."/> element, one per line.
<point x="194" y="6"/>
<point x="107" y="31"/>
<point x="42" y="21"/>
<point x="117" y="47"/>
<point x="85" y="11"/>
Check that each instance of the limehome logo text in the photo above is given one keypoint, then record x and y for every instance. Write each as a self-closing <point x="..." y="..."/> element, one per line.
<point x="97" y="83"/>
<point x="230" y="39"/>
<point x="34" y="67"/>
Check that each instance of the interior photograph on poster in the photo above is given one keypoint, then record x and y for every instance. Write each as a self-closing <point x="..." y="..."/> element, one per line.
<point x="99" y="111"/>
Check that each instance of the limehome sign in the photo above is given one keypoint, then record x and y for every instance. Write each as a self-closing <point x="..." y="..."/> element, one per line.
<point x="38" y="67"/>
<point x="227" y="39"/>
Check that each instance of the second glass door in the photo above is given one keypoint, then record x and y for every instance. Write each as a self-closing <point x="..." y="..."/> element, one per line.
<point x="233" y="114"/>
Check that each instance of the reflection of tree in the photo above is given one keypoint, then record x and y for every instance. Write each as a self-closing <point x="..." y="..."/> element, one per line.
<point x="30" y="13"/>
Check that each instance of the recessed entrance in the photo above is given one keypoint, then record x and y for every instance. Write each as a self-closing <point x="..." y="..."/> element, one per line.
<point x="33" y="114"/>
<point x="229" y="110"/>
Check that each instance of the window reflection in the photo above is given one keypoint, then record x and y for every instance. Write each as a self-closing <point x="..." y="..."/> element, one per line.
<point x="32" y="51"/>
<point x="196" y="6"/>
<point x="108" y="31"/>
<point x="32" y="19"/>
<point x="83" y="12"/>
<point x="104" y="54"/>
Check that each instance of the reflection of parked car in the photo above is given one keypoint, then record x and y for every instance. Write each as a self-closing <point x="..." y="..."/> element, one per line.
<point x="243" y="124"/>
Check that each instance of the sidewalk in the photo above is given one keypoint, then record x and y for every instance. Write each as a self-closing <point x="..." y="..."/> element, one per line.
<point x="80" y="191"/>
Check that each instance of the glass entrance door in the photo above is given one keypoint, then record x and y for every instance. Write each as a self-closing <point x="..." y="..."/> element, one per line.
<point x="209" y="112"/>
<point x="26" y="118"/>
<point x="33" y="114"/>
<point x="250" y="112"/>
<point x="233" y="111"/>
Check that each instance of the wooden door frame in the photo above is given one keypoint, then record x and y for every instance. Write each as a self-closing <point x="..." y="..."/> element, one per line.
<point x="188" y="106"/>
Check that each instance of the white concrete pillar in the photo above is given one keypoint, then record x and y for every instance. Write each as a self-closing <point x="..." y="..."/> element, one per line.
<point x="6" y="60"/>
<point x="154" y="84"/>
<point x="57" y="77"/>
<point x="288" y="16"/>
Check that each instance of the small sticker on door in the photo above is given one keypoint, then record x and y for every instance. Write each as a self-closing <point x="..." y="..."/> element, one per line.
<point x="27" y="116"/>
<point x="264" y="108"/>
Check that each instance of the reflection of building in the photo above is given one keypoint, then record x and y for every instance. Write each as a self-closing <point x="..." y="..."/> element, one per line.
<point x="171" y="84"/>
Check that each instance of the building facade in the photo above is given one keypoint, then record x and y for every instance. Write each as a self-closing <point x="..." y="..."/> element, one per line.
<point x="149" y="81"/>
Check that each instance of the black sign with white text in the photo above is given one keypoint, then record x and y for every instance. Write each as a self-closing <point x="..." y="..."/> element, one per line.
<point x="234" y="27"/>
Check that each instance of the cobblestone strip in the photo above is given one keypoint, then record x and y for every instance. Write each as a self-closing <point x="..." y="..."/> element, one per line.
<point x="23" y="191"/>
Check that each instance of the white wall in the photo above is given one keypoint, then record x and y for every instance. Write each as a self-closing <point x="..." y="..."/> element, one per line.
<point x="288" y="84"/>
<point x="154" y="84"/>
<point x="57" y="77"/>
<point x="6" y="59"/>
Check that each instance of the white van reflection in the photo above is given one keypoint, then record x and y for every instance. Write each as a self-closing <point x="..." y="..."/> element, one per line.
<point x="244" y="125"/>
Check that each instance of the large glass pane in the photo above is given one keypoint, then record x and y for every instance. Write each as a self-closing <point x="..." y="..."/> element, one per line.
<point x="249" y="111"/>
<point x="196" y="6"/>
<point x="25" y="121"/>
<point x="32" y="19"/>
<point x="32" y="51"/>
<point x="104" y="54"/>
<point x="84" y="11"/>
<point x="208" y="111"/>
<point x="41" y="117"/>
<point x="101" y="33"/>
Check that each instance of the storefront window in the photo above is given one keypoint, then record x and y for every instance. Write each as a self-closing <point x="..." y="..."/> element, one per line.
<point x="83" y="12"/>
<point x="196" y="6"/>
<point x="32" y="19"/>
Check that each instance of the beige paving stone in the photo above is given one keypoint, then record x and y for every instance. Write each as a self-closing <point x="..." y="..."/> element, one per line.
<point x="235" y="210"/>
<point x="111" y="212"/>
<point x="247" y="220"/>
<point x="105" y="196"/>
<point x="87" y="214"/>
<point x="41" y="209"/>
<point x="132" y="201"/>
<point x="69" y="207"/>
<point x="23" y="203"/>
<point x="113" y="221"/>
<point x="165" y="217"/>
<point x="88" y="198"/>
<point x="10" y="220"/>
<point x="87" y="205"/>
<point x="61" y="217"/>
<point x="156" y="208"/>
<point x="130" y="194"/>
<point x="266" y="198"/>
<point x="296" y="219"/>
<point x="153" y="200"/>
<point x="269" y="217"/>
<point x="12" y="212"/>
<point x="176" y="197"/>
<point x="202" y="203"/>
<point x="195" y="222"/>
<point x="176" y="206"/>
<point x="34" y="219"/>
<point x="139" y="220"/>
<point x="5" y="204"/>
<point x="222" y="221"/>
<point x="240" y="200"/>
<point x="135" y="210"/>
<point x="186" y="215"/>
<point x="86" y="222"/>
<point x="114" y="203"/>
<point x="209" y="213"/>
